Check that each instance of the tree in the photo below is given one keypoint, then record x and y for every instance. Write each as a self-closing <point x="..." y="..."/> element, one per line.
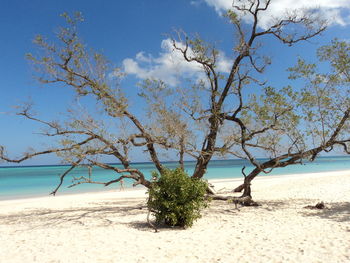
<point x="292" y="125"/>
<point x="189" y="120"/>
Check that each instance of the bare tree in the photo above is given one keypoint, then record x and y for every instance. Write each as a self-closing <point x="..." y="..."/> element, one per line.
<point x="86" y="139"/>
<point x="223" y="89"/>
<point x="199" y="119"/>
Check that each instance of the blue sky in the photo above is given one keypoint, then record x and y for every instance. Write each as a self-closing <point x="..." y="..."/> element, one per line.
<point x="122" y="30"/>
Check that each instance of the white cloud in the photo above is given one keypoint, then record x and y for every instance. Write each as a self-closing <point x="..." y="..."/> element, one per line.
<point x="335" y="11"/>
<point x="220" y="5"/>
<point x="169" y="66"/>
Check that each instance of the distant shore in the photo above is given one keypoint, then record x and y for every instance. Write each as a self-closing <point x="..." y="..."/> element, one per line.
<point x="111" y="226"/>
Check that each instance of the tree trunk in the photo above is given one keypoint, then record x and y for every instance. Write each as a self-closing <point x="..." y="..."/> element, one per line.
<point x="208" y="150"/>
<point x="182" y="152"/>
<point x="239" y="188"/>
<point x="247" y="190"/>
<point x="245" y="187"/>
<point x="201" y="169"/>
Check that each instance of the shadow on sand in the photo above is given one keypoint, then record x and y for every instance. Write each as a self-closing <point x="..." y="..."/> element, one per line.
<point x="134" y="214"/>
<point x="339" y="212"/>
<point x="98" y="214"/>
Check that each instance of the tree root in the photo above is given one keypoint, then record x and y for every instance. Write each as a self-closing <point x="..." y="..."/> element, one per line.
<point x="243" y="200"/>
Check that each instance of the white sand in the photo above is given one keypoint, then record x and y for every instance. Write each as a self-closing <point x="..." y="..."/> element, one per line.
<point x="110" y="227"/>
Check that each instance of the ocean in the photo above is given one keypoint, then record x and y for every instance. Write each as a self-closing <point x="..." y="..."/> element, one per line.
<point x="32" y="181"/>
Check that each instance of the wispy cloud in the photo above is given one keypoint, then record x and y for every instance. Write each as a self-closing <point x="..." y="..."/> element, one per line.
<point x="335" y="11"/>
<point x="169" y="66"/>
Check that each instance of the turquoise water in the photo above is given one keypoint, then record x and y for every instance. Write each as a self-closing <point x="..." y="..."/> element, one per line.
<point x="28" y="181"/>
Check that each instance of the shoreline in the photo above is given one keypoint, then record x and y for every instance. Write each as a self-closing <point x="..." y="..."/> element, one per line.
<point x="263" y="177"/>
<point x="36" y="181"/>
<point x="128" y="191"/>
<point x="19" y="184"/>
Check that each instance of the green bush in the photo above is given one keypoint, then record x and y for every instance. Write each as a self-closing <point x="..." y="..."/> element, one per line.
<point x="177" y="199"/>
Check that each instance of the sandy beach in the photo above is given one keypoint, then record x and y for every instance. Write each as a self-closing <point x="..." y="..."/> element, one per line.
<point x="111" y="226"/>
